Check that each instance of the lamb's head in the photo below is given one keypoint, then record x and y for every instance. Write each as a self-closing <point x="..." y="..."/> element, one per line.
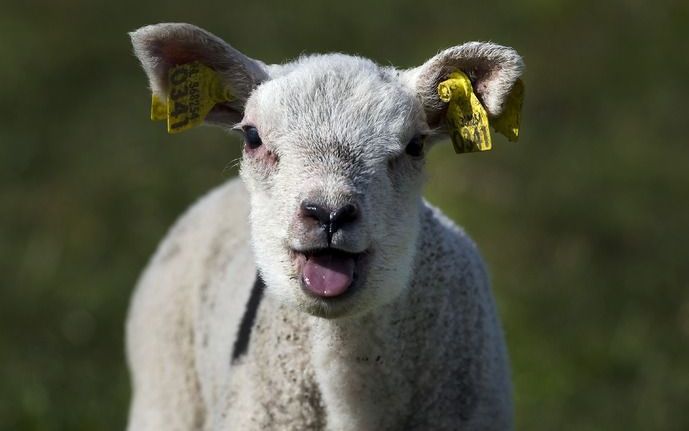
<point x="333" y="157"/>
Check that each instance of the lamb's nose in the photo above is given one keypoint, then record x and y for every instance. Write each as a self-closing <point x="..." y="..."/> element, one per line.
<point x="330" y="221"/>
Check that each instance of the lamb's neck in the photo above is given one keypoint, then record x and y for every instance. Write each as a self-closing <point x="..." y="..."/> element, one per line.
<point x="351" y="335"/>
<point x="356" y="362"/>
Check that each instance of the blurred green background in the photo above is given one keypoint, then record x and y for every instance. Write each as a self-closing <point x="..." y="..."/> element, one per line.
<point x="583" y="222"/>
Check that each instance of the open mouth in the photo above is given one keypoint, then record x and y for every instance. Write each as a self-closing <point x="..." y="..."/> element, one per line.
<point x="327" y="272"/>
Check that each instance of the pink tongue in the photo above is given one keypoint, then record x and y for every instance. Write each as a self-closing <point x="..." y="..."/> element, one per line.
<point x="328" y="275"/>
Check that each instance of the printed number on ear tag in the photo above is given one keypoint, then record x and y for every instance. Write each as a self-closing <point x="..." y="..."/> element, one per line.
<point x="467" y="119"/>
<point x="193" y="90"/>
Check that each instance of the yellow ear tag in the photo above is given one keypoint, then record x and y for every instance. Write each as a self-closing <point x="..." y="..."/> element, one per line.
<point x="158" y="109"/>
<point x="507" y="123"/>
<point x="467" y="119"/>
<point x="193" y="91"/>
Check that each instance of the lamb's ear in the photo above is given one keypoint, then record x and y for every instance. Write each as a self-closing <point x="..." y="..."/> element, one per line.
<point x="492" y="69"/>
<point x="162" y="46"/>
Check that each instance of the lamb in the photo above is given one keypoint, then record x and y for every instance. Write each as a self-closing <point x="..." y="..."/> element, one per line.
<point x="320" y="292"/>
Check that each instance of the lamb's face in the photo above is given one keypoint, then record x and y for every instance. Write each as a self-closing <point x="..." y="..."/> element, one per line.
<point x="333" y="159"/>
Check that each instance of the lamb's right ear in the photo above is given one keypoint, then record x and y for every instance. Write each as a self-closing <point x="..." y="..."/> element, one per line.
<point x="160" y="47"/>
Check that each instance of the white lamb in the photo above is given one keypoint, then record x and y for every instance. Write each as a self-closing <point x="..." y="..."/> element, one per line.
<point x="377" y="313"/>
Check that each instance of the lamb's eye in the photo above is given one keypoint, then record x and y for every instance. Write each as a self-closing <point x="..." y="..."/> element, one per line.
<point x="251" y="137"/>
<point x="415" y="147"/>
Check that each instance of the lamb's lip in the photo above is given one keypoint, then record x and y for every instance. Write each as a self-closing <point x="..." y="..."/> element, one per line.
<point x="300" y="255"/>
<point x="316" y="251"/>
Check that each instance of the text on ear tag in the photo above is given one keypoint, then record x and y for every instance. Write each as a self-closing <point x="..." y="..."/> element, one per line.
<point x="193" y="90"/>
<point x="467" y="119"/>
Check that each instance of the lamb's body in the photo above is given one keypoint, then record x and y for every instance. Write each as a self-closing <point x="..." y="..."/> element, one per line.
<point x="433" y="359"/>
<point x="376" y="311"/>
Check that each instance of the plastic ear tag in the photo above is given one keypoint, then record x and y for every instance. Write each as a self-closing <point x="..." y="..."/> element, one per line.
<point x="507" y="123"/>
<point x="467" y="119"/>
<point x="193" y="91"/>
<point x="158" y="109"/>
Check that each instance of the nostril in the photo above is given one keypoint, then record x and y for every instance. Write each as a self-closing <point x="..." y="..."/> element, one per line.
<point x="346" y="214"/>
<point x="316" y="212"/>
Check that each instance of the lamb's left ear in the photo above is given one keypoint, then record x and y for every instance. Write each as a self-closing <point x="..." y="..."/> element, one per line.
<point x="492" y="69"/>
<point x="160" y="47"/>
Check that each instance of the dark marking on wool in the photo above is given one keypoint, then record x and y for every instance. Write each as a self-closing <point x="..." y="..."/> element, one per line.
<point x="241" y="344"/>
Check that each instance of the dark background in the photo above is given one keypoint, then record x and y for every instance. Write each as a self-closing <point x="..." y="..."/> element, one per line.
<point x="583" y="222"/>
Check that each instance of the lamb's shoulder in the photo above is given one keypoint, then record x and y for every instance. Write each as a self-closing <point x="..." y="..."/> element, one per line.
<point x="453" y="301"/>
<point x="218" y="221"/>
<point x="205" y="252"/>
<point x="201" y="240"/>
<point x="448" y="249"/>
<point x="447" y="258"/>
